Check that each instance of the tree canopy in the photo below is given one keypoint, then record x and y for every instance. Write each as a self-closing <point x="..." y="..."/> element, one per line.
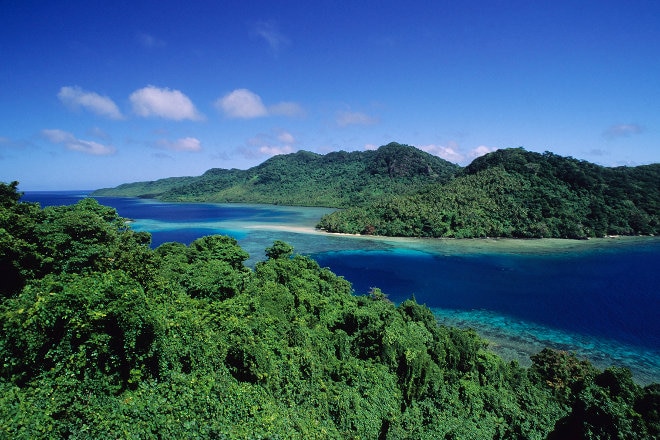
<point x="338" y="179"/>
<point x="398" y="190"/>
<point x="519" y="194"/>
<point x="103" y="337"/>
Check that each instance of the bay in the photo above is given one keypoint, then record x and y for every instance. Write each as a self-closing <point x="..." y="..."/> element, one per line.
<point x="598" y="298"/>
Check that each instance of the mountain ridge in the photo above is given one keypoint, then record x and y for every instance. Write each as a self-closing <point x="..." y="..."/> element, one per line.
<point x="338" y="179"/>
<point x="399" y="190"/>
<point x="519" y="194"/>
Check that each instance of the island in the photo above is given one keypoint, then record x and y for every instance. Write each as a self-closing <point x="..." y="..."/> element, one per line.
<point x="399" y="190"/>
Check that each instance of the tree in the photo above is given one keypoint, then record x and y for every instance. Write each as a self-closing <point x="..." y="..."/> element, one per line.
<point x="218" y="247"/>
<point x="278" y="250"/>
<point x="106" y="338"/>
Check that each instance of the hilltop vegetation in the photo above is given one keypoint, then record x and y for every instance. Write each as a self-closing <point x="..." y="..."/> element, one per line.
<point x="520" y="194"/>
<point x="339" y="179"/>
<point x="104" y="337"/>
<point x="399" y="190"/>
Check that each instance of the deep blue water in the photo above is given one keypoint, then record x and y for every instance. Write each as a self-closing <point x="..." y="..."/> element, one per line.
<point x="182" y="222"/>
<point x="610" y="295"/>
<point x="600" y="300"/>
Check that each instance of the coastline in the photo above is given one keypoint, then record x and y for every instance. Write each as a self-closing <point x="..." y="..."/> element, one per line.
<point x="508" y="337"/>
<point x="489" y="244"/>
<point x="517" y="340"/>
<point x="440" y="245"/>
<point x="296" y="226"/>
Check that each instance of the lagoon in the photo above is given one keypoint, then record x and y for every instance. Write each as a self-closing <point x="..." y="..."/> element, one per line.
<point x="599" y="298"/>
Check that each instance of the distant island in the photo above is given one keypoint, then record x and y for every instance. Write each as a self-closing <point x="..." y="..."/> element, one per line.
<point x="338" y="180"/>
<point x="399" y="190"/>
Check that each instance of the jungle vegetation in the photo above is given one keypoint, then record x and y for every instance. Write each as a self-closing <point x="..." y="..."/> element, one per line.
<point x="338" y="179"/>
<point x="104" y="337"/>
<point x="518" y="194"/>
<point x="399" y="190"/>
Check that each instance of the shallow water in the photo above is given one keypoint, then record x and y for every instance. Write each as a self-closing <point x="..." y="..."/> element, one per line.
<point x="598" y="298"/>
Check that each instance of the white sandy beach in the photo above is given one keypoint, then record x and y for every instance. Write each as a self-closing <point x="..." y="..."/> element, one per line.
<point x="472" y="245"/>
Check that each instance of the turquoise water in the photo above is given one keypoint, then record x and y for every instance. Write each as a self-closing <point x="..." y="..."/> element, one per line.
<point x="594" y="292"/>
<point x="599" y="298"/>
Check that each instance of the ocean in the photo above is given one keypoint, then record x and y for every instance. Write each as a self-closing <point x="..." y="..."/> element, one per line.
<point x="598" y="298"/>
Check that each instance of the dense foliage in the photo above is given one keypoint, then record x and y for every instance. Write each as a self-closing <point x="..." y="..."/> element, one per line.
<point x="521" y="194"/>
<point x="399" y="190"/>
<point x="338" y="179"/>
<point x="103" y="337"/>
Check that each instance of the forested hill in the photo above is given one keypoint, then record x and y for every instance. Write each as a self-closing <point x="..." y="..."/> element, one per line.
<point x="102" y="336"/>
<point x="520" y="194"/>
<point x="399" y="190"/>
<point x="338" y="179"/>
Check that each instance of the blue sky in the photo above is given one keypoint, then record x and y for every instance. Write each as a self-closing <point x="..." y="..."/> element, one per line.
<point x="98" y="93"/>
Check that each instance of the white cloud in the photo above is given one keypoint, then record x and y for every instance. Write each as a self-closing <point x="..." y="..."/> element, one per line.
<point x="242" y="103"/>
<point x="164" y="103"/>
<point x="371" y="147"/>
<point x="57" y="136"/>
<point x="623" y="130"/>
<point x="452" y="152"/>
<point x="269" y="32"/>
<point x="481" y="150"/>
<point x="75" y="97"/>
<point x="189" y="144"/>
<point x="274" y="150"/>
<point x="345" y="118"/>
<point x="72" y="143"/>
<point x="272" y="144"/>
<point x="449" y="152"/>
<point x="245" y="104"/>
<point x="286" y="137"/>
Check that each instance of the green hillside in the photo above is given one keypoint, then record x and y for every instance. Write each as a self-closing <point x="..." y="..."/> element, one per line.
<point x="103" y="337"/>
<point x="399" y="190"/>
<point x="521" y="194"/>
<point x="338" y="179"/>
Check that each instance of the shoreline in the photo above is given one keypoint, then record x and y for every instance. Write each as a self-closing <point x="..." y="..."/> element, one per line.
<point x="517" y="340"/>
<point x="449" y="244"/>
<point x="299" y="230"/>
<point x="430" y="244"/>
